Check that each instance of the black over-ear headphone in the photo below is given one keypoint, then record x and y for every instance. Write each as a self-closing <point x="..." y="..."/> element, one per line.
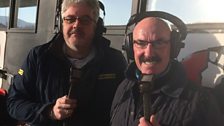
<point x="177" y="36"/>
<point x="100" y="28"/>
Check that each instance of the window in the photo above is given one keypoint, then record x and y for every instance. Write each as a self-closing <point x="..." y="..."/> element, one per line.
<point x="117" y="11"/>
<point x="191" y="11"/>
<point x="4" y="14"/>
<point x="25" y="14"/>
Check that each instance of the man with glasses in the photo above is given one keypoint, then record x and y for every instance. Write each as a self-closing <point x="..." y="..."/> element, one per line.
<point x="71" y="80"/>
<point x="156" y="91"/>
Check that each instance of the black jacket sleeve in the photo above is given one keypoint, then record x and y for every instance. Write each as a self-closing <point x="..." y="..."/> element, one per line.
<point x="21" y="102"/>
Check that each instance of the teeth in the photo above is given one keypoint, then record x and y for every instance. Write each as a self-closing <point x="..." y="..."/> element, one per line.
<point x="150" y="63"/>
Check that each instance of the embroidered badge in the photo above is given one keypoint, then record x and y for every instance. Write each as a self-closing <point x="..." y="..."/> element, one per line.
<point x="20" y="72"/>
<point x="106" y="76"/>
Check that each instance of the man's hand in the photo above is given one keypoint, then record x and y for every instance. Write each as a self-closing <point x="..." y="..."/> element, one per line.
<point x="144" y="122"/>
<point x="63" y="108"/>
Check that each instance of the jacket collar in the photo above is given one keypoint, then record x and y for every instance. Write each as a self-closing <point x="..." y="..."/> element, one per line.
<point x="171" y="83"/>
<point x="56" y="46"/>
<point x="174" y="81"/>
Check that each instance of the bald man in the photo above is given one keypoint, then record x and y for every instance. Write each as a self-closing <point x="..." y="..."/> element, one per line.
<point x="175" y="101"/>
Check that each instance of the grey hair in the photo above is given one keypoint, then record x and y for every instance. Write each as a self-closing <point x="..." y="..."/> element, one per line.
<point x="93" y="4"/>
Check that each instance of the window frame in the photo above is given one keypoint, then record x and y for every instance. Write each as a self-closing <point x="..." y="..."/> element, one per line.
<point x="14" y="16"/>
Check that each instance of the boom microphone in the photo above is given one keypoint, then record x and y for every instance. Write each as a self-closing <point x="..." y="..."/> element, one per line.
<point x="145" y="86"/>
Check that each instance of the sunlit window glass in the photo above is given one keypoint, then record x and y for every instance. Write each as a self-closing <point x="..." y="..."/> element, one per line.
<point x="191" y="11"/>
<point x="4" y="13"/>
<point x="26" y="14"/>
<point x="117" y="11"/>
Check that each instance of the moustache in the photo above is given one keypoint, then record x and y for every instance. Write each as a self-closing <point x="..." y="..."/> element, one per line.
<point x="151" y="59"/>
<point x="76" y="31"/>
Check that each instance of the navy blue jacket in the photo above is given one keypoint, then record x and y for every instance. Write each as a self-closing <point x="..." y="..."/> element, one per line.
<point x="44" y="77"/>
<point x="175" y="101"/>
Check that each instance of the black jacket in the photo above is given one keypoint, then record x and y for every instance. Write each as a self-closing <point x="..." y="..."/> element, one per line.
<point x="44" y="77"/>
<point x="175" y="101"/>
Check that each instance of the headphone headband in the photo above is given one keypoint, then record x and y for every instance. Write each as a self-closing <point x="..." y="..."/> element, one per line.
<point x="102" y="7"/>
<point x="100" y="29"/>
<point x="160" y="14"/>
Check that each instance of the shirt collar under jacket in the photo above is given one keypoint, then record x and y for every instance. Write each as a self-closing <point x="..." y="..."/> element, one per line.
<point x="79" y="63"/>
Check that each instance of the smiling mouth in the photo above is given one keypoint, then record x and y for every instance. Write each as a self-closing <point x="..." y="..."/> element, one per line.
<point x="149" y="63"/>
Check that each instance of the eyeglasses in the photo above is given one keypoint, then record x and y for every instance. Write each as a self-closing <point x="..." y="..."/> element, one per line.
<point x="155" y="44"/>
<point x="84" y="20"/>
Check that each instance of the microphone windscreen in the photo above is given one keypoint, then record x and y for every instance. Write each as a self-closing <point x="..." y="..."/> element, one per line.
<point x="146" y="86"/>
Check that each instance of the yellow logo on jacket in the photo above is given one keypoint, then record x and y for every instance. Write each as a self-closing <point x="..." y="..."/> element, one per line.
<point x="20" y="72"/>
<point x="107" y="76"/>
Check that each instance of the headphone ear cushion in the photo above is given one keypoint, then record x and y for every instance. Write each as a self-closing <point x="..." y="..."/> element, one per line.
<point x="176" y="44"/>
<point x="100" y="28"/>
<point x="128" y="46"/>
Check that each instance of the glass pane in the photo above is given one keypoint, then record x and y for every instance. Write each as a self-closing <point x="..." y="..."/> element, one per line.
<point x="117" y="11"/>
<point x="4" y="13"/>
<point x="191" y="11"/>
<point x="27" y="13"/>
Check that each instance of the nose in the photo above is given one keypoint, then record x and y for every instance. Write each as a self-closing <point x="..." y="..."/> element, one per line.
<point x="149" y="50"/>
<point x="76" y="23"/>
